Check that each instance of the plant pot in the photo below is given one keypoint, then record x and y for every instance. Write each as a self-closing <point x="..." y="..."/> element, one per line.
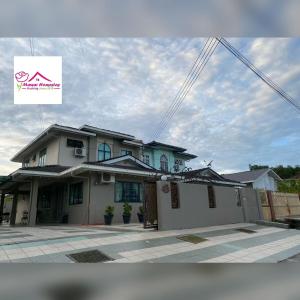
<point x="140" y="217"/>
<point x="108" y="219"/>
<point x="126" y="219"/>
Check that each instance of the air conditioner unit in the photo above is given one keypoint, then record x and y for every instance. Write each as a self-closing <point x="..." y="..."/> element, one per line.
<point x="79" y="152"/>
<point x="107" y="178"/>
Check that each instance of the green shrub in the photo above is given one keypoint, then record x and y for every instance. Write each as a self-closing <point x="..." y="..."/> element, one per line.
<point x="109" y="211"/>
<point x="127" y="209"/>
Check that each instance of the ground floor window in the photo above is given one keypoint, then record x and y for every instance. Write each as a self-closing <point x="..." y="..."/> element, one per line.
<point x="128" y="192"/>
<point x="46" y="200"/>
<point x="76" y="193"/>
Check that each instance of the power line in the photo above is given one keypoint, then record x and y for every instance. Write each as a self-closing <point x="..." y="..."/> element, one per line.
<point x="259" y="73"/>
<point x="183" y="85"/>
<point x="207" y="53"/>
<point x="32" y="52"/>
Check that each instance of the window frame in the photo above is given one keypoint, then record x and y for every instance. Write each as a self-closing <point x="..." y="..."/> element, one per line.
<point x="164" y="164"/>
<point x="126" y="152"/>
<point x="73" y="143"/>
<point x="104" y="151"/>
<point x="146" y="159"/>
<point x="42" y="157"/>
<point x="126" y="198"/>
<point x="78" y="200"/>
<point x="45" y="198"/>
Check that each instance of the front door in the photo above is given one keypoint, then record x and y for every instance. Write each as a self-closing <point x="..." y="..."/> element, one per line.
<point x="150" y="205"/>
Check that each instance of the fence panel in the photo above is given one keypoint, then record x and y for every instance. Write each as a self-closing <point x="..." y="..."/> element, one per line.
<point x="284" y="204"/>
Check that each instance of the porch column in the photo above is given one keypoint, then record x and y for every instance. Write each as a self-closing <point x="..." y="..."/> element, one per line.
<point x="13" y="212"/>
<point x="33" y="202"/>
<point x="1" y="206"/>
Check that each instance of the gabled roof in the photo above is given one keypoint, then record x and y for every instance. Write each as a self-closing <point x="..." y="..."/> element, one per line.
<point x="123" y="158"/>
<point x="251" y="176"/>
<point x="208" y="175"/>
<point x="45" y="136"/>
<point x="89" y="128"/>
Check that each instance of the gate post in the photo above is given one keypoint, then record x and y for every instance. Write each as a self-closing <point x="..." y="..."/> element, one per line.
<point x="270" y="200"/>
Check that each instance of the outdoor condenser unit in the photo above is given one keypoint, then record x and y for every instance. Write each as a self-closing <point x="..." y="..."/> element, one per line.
<point x="79" y="152"/>
<point x="107" y="178"/>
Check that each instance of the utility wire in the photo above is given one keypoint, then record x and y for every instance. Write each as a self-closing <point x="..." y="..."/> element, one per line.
<point x="189" y="80"/>
<point x="259" y="73"/>
<point x="207" y="53"/>
<point x="32" y="52"/>
<point x="175" y="100"/>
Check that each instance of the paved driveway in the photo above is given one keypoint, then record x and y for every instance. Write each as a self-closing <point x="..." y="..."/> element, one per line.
<point x="133" y="244"/>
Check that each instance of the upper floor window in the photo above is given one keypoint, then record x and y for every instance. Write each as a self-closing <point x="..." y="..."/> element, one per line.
<point x="74" y="143"/>
<point x="25" y="164"/>
<point x="146" y="159"/>
<point x="42" y="157"/>
<point x="126" y="152"/>
<point x="164" y="163"/>
<point x="104" y="151"/>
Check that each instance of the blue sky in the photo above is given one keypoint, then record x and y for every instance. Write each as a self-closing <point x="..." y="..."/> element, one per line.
<point x="230" y="116"/>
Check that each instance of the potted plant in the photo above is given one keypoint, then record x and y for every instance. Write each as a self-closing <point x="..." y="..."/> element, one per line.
<point x="126" y="213"/>
<point x="140" y="214"/>
<point x="109" y="214"/>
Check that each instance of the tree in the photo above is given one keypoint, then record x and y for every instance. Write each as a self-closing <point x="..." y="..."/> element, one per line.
<point x="289" y="186"/>
<point x="287" y="172"/>
<point x="257" y="167"/>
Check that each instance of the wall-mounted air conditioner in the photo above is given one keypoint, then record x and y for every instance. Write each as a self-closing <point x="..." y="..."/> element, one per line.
<point x="79" y="152"/>
<point x="107" y="178"/>
<point x="103" y="178"/>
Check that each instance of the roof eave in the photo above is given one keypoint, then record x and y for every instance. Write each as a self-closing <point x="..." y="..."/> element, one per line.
<point x="18" y="156"/>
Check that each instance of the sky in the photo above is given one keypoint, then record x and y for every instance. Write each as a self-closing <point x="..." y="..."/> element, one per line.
<point x="126" y="84"/>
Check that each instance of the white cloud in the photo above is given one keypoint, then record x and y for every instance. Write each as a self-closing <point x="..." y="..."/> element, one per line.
<point x="229" y="116"/>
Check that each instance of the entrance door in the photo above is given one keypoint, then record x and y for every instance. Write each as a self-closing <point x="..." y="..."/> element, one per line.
<point x="150" y="205"/>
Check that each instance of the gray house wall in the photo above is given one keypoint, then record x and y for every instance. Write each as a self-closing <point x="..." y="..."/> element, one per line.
<point x="66" y="155"/>
<point x="103" y="195"/>
<point x="194" y="208"/>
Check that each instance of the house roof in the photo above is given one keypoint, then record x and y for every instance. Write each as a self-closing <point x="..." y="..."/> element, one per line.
<point x="155" y="144"/>
<point x="49" y="168"/>
<point x="180" y="151"/>
<point x="207" y="174"/>
<point x="89" y="128"/>
<point x="115" y="161"/>
<point x="46" y="135"/>
<point x="250" y="176"/>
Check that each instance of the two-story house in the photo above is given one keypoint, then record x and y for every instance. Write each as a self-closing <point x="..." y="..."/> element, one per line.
<point x="72" y="174"/>
<point x="165" y="157"/>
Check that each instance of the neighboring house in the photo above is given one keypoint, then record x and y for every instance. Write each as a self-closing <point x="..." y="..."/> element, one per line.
<point x="165" y="157"/>
<point x="72" y="175"/>
<point x="209" y="177"/>
<point x="265" y="179"/>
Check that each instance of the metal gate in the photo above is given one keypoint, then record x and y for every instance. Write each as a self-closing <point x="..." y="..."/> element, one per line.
<point x="150" y="205"/>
